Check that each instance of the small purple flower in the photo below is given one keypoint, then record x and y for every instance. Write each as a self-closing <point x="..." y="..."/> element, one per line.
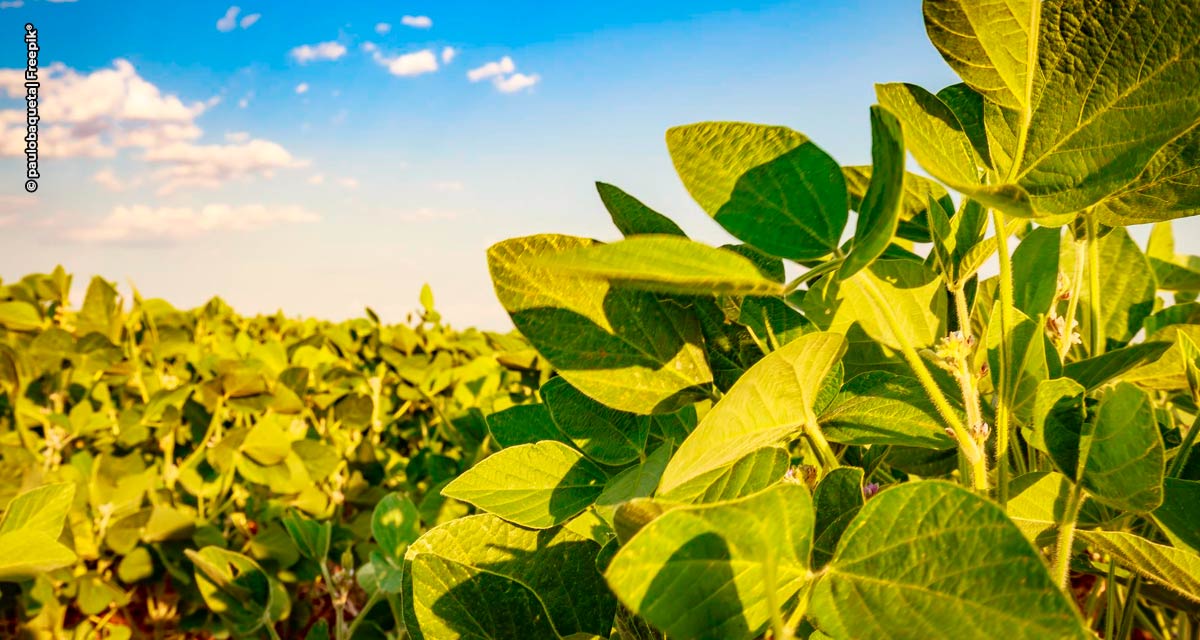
<point x="869" y="490"/>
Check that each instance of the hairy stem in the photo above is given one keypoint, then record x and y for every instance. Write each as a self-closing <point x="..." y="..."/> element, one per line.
<point x="1066" y="537"/>
<point x="1093" y="271"/>
<point x="1073" y="301"/>
<point x="1003" y="412"/>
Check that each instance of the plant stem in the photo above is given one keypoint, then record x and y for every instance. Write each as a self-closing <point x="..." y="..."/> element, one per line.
<point x="1127" y="614"/>
<point x="362" y="615"/>
<point x="793" y="621"/>
<point x="335" y="600"/>
<point x="1093" y="270"/>
<point x="812" y="274"/>
<point x="1073" y="302"/>
<point x="1110" y="592"/>
<point x="960" y="310"/>
<point x="1006" y="324"/>
<point x="1066" y="537"/>
<point x="777" y="626"/>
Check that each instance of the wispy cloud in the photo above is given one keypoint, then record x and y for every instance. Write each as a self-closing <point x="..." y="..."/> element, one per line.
<point x="448" y="54"/>
<point x="249" y="20"/>
<point x="307" y="53"/>
<point x="498" y="67"/>
<point x="12" y="4"/>
<point x="409" y="64"/>
<point x="143" y="222"/>
<point x="383" y="28"/>
<point x="188" y="165"/>
<point x="417" y="22"/>
<point x="229" y="21"/>
<point x="302" y="87"/>
<point x="107" y="179"/>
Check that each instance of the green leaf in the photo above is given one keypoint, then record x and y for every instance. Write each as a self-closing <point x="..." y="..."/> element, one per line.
<point x="19" y="315"/>
<point x="1038" y="505"/>
<point x="631" y="216"/>
<point x="638" y="481"/>
<point x="42" y="510"/>
<point x="395" y="524"/>
<point x="1180" y="511"/>
<point x="907" y="291"/>
<point x="986" y="44"/>
<point x="967" y="105"/>
<point x="1168" y="188"/>
<point x="267" y="443"/>
<point x="233" y="586"/>
<point x="913" y="205"/>
<point x="769" y="405"/>
<point x="749" y="474"/>
<point x="630" y="350"/>
<point x="665" y="264"/>
<point x="1109" y="366"/>
<point x="605" y="435"/>
<point x="1175" y="569"/>
<point x="556" y="565"/>
<point x="1035" y="271"/>
<point x="29" y="553"/>
<point x="1127" y="286"/>
<point x="455" y="600"/>
<point x="884" y="408"/>
<point x="837" y="500"/>
<point x="312" y="538"/>
<point x="534" y="485"/>
<point x="524" y="424"/>
<point x="976" y="572"/>
<point x="770" y="187"/>
<point x="1031" y="359"/>
<point x="1168" y="372"/>
<point x="706" y="571"/>
<point x="879" y="213"/>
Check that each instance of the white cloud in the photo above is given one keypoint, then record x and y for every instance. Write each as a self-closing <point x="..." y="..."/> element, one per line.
<point x="142" y="222"/>
<point x="383" y="28"/>
<point x="425" y="214"/>
<point x="448" y="54"/>
<point x="498" y="67"/>
<point x="306" y="53"/>
<point x="108" y="179"/>
<point x="237" y="137"/>
<point x="302" y="87"/>
<point x="417" y="22"/>
<point x="228" y="22"/>
<point x="249" y="20"/>
<point x="409" y="64"/>
<point x="316" y="178"/>
<point x="370" y="47"/>
<point x="349" y="183"/>
<point x="515" y="82"/>
<point x="190" y="165"/>
<point x="12" y="4"/>
<point x="448" y="185"/>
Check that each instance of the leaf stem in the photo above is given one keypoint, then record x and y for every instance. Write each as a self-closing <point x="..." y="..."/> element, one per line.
<point x="1003" y="411"/>
<point x="1093" y="271"/>
<point x="1066" y="536"/>
<point x="362" y="614"/>
<point x="812" y="274"/>
<point x="1073" y="301"/>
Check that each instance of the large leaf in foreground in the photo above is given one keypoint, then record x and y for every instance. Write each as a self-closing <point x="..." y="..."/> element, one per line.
<point x="770" y="187"/>
<point x="534" y="485"/>
<point x="1176" y="569"/>
<point x="931" y="559"/>
<point x="1168" y="188"/>
<point x="707" y="572"/>
<point x="666" y="264"/>
<point x="455" y="600"/>
<point x="603" y="434"/>
<point x="893" y="301"/>
<point x="30" y="529"/>
<point x="769" y="405"/>
<point x="557" y="565"/>
<point x="630" y="350"/>
<point x="985" y="43"/>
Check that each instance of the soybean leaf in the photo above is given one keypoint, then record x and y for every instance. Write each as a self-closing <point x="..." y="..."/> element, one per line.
<point x="837" y="500"/>
<point x="1167" y="372"/>
<point x="1180" y="511"/>
<point x="1175" y="569"/>
<point x="665" y="264"/>
<point x="234" y="587"/>
<point x="967" y="105"/>
<point x="1031" y="359"/>
<point x="557" y="565"/>
<point x="42" y="510"/>
<point x="395" y="524"/>
<point x="630" y="350"/>
<point x="312" y="538"/>
<point x="770" y="187"/>
<point x="749" y="474"/>
<point x="976" y="574"/>
<point x="913" y="204"/>
<point x="638" y="481"/>
<point x="1127" y="287"/>
<point x="1035" y="271"/>
<point x="454" y="600"/>
<point x="890" y="293"/>
<point x="1168" y="188"/>
<point x="1038" y="503"/>
<point x="28" y="554"/>
<point x="986" y="43"/>
<point x="1108" y="366"/>
<point x="879" y="213"/>
<point x="534" y="485"/>
<point x="769" y="405"/>
<point x="605" y="435"/>
<point x="705" y="571"/>
<point x="524" y="424"/>
<point x="18" y="315"/>
<point x="884" y="408"/>
<point x="631" y="216"/>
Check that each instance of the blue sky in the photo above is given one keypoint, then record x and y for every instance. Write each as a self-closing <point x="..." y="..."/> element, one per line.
<point x="305" y="157"/>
